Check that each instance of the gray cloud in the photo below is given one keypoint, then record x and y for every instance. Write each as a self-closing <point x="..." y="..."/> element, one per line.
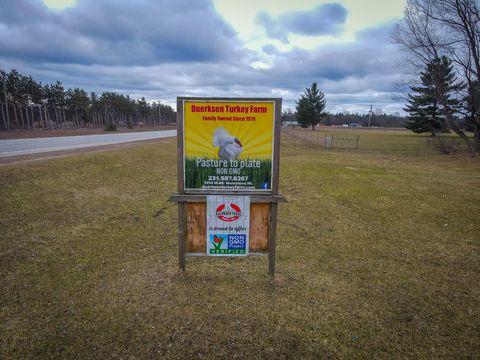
<point x="326" y="19"/>
<point x="352" y="75"/>
<point x="164" y="51"/>
<point x="108" y="32"/>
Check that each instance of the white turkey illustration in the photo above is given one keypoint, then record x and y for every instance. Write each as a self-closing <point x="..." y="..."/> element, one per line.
<point x="229" y="146"/>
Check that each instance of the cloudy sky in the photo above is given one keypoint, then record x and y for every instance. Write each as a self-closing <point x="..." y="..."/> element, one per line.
<point x="162" y="49"/>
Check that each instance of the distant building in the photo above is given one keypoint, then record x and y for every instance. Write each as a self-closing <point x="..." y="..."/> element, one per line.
<point x="354" y="125"/>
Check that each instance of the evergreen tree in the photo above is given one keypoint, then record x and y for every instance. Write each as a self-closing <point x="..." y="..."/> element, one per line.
<point x="310" y="107"/>
<point x="426" y="106"/>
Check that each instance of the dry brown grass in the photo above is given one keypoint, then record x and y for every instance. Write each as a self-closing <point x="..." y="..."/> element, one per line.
<point x="378" y="256"/>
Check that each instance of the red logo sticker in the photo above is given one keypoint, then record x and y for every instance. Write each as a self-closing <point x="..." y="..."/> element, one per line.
<point x="230" y="213"/>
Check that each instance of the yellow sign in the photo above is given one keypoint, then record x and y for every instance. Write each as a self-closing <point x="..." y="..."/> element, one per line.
<point x="228" y="145"/>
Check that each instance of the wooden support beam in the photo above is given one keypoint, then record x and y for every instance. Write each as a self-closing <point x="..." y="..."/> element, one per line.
<point x="181" y="236"/>
<point x="182" y="198"/>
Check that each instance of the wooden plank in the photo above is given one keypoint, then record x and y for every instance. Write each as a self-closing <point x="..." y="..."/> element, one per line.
<point x="272" y="241"/>
<point x="196" y="227"/>
<point x="225" y="99"/>
<point x="181" y="236"/>
<point x="181" y="206"/>
<point x="180" y="174"/>
<point x="259" y="219"/>
<point x="203" y="198"/>
<point x="272" y="244"/>
<point x="196" y="223"/>
<point x="249" y="254"/>
<point x="276" y="146"/>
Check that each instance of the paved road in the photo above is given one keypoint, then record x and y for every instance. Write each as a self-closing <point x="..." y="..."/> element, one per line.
<point x="40" y="145"/>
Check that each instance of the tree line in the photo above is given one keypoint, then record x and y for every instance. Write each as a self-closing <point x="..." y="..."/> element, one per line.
<point x="29" y="104"/>
<point x="365" y="120"/>
<point x="339" y="119"/>
<point x="310" y="112"/>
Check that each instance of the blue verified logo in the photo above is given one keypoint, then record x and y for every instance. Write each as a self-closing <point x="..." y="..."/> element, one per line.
<point x="237" y="241"/>
<point x="228" y="244"/>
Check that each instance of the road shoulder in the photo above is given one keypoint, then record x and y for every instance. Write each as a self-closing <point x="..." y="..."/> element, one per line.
<point x="19" y="159"/>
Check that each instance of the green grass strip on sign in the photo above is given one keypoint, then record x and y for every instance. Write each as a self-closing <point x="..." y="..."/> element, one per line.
<point x="196" y="176"/>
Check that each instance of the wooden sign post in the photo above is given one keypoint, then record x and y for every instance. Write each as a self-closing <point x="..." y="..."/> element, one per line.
<point x="227" y="147"/>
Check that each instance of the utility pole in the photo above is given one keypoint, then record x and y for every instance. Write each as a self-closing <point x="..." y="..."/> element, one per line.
<point x="370" y="113"/>
<point x="7" y="125"/>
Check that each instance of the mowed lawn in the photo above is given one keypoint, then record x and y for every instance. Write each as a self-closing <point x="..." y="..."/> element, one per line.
<point x="378" y="257"/>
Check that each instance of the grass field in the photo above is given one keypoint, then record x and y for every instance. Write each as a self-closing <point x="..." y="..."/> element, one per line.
<point x="384" y="141"/>
<point x="378" y="257"/>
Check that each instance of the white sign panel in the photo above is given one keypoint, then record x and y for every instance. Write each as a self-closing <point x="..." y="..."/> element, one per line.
<point x="228" y="225"/>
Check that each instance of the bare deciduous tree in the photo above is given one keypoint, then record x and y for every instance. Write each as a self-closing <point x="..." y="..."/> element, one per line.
<point x="432" y="28"/>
